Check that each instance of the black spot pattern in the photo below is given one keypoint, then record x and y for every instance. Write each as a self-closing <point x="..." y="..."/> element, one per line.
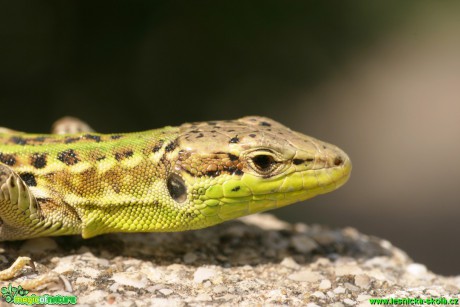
<point x="234" y="140"/>
<point x="158" y="146"/>
<point x="7" y="159"/>
<point x="38" y="160"/>
<point x="123" y="155"/>
<point x="29" y="179"/>
<point x="171" y="146"/>
<point x="69" y="157"/>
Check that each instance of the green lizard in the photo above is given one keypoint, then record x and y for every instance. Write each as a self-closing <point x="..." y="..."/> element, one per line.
<point x="76" y="181"/>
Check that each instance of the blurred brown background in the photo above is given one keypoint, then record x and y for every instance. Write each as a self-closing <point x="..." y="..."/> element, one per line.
<point x="381" y="79"/>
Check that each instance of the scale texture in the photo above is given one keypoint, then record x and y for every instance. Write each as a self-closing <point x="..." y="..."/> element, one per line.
<point x="169" y="179"/>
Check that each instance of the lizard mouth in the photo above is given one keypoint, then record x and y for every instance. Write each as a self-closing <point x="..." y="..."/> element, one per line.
<point x="252" y="194"/>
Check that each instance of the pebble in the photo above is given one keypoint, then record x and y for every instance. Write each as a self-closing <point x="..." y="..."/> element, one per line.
<point x="363" y="297"/>
<point x="203" y="297"/>
<point x="325" y="284"/>
<point x="190" y="257"/>
<point x="93" y="297"/>
<point x="65" y="264"/>
<point x="319" y="294"/>
<point x="416" y="269"/>
<point x="166" y="292"/>
<point x="132" y="279"/>
<point x="305" y="275"/>
<point x="349" y="302"/>
<point x="288" y="262"/>
<point x="202" y="274"/>
<point x="348" y="270"/>
<point x="303" y="244"/>
<point x="339" y="290"/>
<point x="220" y="289"/>
<point x="362" y="281"/>
<point x="91" y="272"/>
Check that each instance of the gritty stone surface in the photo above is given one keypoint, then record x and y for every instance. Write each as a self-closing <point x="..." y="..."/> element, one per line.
<point x="257" y="260"/>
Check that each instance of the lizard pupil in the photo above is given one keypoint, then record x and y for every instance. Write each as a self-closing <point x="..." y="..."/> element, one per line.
<point x="176" y="187"/>
<point x="263" y="162"/>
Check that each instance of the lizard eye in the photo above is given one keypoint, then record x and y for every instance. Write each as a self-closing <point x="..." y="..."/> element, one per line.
<point x="176" y="187"/>
<point x="263" y="163"/>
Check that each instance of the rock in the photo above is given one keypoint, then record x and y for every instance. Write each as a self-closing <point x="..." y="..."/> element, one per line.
<point x="203" y="274"/>
<point x="416" y="269"/>
<point x="166" y="292"/>
<point x="290" y="263"/>
<point x="303" y="244"/>
<point x="362" y="281"/>
<point x="339" y="290"/>
<point x="190" y="257"/>
<point x="325" y="284"/>
<point x="255" y="261"/>
<point x="305" y="275"/>
<point x="38" y="245"/>
<point x="349" y="302"/>
<point x="131" y="279"/>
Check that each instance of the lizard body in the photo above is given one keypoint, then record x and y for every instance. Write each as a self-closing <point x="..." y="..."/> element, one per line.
<point x="169" y="179"/>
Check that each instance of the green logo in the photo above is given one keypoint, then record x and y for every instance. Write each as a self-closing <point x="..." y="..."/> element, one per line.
<point x="18" y="295"/>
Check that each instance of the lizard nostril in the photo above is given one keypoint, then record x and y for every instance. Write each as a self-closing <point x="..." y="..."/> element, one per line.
<point x="338" y="161"/>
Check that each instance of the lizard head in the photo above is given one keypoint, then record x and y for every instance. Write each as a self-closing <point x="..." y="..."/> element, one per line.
<point x="228" y="169"/>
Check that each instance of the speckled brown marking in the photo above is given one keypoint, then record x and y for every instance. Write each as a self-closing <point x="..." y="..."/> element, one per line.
<point x="69" y="157"/>
<point x="116" y="187"/>
<point x="212" y="165"/>
<point x="252" y="135"/>
<point x="199" y="135"/>
<point x="298" y="161"/>
<point x="7" y="159"/>
<point x="158" y="146"/>
<point x="29" y="179"/>
<point x="97" y="155"/>
<point x="171" y="146"/>
<point x="116" y="136"/>
<point x="236" y="189"/>
<point x="123" y="154"/>
<point x="265" y="124"/>
<point x="232" y="157"/>
<point x="38" y="160"/>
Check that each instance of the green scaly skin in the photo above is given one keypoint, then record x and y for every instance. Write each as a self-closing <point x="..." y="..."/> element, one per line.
<point x="170" y="179"/>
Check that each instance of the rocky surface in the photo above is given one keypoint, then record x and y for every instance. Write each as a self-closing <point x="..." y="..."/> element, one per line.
<point x="257" y="260"/>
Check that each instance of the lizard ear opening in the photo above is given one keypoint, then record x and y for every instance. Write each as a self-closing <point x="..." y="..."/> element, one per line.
<point x="176" y="187"/>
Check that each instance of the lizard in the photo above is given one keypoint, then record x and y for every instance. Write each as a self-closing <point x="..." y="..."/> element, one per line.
<point x="76" y="181"/>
